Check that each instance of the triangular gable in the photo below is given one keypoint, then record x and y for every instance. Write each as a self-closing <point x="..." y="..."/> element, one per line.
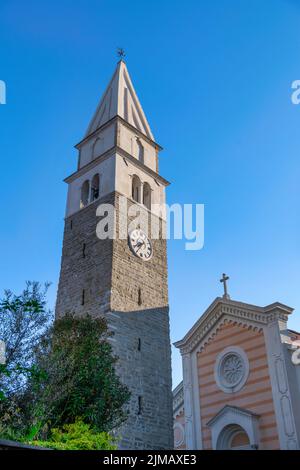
<point x="222" y="310"/>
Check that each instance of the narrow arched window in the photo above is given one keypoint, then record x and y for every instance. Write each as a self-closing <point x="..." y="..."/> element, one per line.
<point x="147" y="196"/>
<point x="140" y="296"/>
<point x="97" y="147"/>
<point x="140" y="405"/>
<point x="136" y="189"/>
<point x="95" y="187"/>
<point x="85" y="192"/>
<point x="140" y="151"/>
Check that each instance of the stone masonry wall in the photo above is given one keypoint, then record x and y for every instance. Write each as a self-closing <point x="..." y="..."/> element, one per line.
<point x="90" y="270"/>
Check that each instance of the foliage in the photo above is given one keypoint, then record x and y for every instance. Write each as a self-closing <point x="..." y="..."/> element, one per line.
<point x="79" y="378"/>
<point x="56" y="373"/>
<point x="77" y="436"/>
<point x="12" y="421"/>
<point x="23" y="320"/>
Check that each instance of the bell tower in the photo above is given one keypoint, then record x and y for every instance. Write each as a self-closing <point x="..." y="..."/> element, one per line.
<point x="123" y="278"/>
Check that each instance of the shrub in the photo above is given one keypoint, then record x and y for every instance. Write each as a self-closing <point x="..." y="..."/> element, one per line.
<point x="77" y="436"/>
<point x="79" y="378"/>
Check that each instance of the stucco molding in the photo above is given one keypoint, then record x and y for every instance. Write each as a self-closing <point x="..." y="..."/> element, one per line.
<point x="220" y="311"/>
<point x="286" y="425"/>
<point x="188" y="402"/>
<point x="233" y="416"/>
<point x="180" y="441"/>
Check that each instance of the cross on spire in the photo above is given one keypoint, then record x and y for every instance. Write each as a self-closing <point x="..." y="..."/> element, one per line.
<point x="224" y="280"/>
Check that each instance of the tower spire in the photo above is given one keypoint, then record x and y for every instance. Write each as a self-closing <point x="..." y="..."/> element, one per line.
<point x="120" y="99"/>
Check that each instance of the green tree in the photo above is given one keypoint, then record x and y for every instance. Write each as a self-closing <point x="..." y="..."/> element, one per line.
<point x="23" y="321"/>
<point x="77" y="377"/>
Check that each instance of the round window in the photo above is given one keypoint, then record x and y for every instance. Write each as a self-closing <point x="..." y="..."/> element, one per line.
<point x="231" y="369"/>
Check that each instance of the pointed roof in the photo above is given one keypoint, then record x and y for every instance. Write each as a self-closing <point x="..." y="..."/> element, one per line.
<point x="120" y="99"/>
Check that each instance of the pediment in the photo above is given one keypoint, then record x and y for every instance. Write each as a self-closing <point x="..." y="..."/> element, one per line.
<point x="223" y="311"/>
<point x="229" y="411"/>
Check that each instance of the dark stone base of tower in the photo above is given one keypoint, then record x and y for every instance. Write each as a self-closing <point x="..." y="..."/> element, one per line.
<point x="141" y="342"/>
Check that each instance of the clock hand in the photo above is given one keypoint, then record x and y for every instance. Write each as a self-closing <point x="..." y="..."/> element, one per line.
<point x="141" y="244"/>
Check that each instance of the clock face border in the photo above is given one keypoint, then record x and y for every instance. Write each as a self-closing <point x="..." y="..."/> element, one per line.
<point x="130" y="243"/>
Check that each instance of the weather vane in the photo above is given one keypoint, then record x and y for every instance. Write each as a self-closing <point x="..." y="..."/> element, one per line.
<point x="121" y="53"/>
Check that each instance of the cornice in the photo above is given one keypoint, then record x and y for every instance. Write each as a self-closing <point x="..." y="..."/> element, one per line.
<point x="225" y="310"/>
<point x="143" y="167"/>
<point x="126" y="124"/>
<point x="109" y="153"/>
<point x="233" y="409"/>
<point x="112" y="152"/>
<point x="95" y="132"/>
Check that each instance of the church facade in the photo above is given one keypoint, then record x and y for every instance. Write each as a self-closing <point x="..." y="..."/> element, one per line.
<point x="241" y="386"/>
<point x="124" y="279"/>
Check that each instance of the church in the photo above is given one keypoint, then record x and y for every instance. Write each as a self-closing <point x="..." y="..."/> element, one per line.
<point x="240" y="388"/>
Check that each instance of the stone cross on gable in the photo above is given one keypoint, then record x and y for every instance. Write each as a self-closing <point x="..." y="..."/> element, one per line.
<point x="224" y="282"/>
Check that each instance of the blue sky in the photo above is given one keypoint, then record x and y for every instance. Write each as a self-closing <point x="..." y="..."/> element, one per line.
<point x="214" y="79"/>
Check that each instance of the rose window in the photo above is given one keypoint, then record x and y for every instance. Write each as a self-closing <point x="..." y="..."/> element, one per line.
<point x="231" y="369"/>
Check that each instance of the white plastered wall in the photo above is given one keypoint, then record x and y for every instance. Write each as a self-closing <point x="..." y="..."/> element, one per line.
<point x="97" y="145"/>
<point x="127" y="140"/>
<point x="106" y="171"/>
<point x="124" y="173"/>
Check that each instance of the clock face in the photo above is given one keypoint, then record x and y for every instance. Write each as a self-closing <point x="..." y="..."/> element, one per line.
<point x="140" y="244"/>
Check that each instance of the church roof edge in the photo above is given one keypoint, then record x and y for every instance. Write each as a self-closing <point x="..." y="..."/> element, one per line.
<point x="276" y="306"/>
<point x="177" y="388"/>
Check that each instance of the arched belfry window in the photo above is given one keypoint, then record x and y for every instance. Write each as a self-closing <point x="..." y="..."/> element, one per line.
<point x="85" y="192"/>
<point x="147" y="196"/>
<point x="136" y="188"/>
<point x="140" y="150"/>
<point x="95" y="187"/>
